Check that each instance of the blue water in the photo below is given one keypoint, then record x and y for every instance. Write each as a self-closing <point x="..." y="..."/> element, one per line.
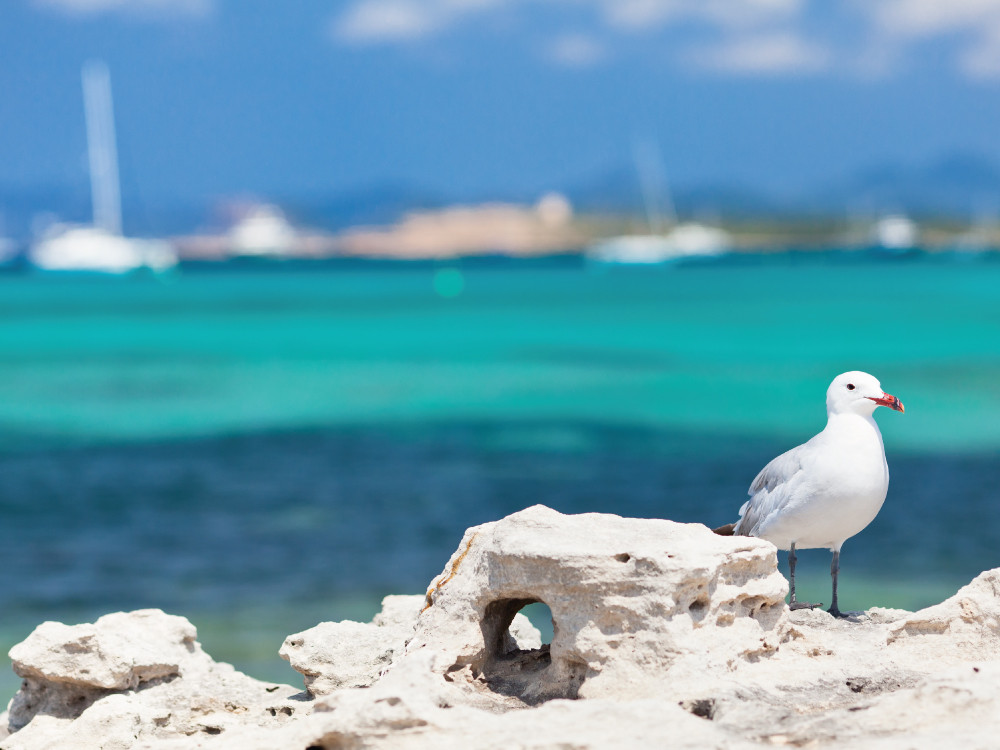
<point x="260" y="448"/>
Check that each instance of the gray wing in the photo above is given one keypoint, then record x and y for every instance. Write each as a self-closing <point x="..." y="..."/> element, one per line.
<point x="769" y="491"/>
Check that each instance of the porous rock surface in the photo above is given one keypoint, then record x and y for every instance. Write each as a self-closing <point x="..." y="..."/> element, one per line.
<point x="130" y="680"/>
<point x="335" y="655"/>
<point x="665" y="635"/>
<point x="631" y="600"/>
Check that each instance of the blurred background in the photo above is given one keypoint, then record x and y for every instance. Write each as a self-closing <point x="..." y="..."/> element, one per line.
<point x="292" y="294"/>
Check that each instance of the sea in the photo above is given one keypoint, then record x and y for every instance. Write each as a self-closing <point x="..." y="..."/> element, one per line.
<point x="263" y="446"/>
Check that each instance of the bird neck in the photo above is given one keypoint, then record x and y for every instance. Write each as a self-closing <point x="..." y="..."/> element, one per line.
<point x="849" y="423"/>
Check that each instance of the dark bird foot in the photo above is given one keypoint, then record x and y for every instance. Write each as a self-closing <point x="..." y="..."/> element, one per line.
<point x="838" y="614"/>
<point x="726" y="530"/>
<point x="803" y="605"/>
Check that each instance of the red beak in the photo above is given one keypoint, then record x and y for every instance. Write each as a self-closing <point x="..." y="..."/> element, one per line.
<point x="891" y="401"/>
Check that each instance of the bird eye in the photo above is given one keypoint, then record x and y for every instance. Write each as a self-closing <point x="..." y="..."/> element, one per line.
<point x="850" y="386"/>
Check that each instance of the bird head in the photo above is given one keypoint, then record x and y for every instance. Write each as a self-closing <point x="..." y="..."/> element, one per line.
<point x="858" y="393"/>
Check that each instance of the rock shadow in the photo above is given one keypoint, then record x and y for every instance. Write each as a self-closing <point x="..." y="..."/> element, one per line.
<point x="529" y="675"/>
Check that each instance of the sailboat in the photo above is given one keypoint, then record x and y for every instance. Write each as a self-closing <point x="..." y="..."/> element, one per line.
<point x="100" y="247"/>
<point x="262" y="231"/>
<point x="684" y="240"/>
<point x="895" y="233"/>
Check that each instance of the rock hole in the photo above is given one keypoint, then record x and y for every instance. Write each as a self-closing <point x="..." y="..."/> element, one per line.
<point x="702" y="707"/>
<point x="521" y="669"/>
<point x="541" y="617"/>
<point x="858" y="684"/>
<point x="622" y="557"/>
<point x="752" y="605"/>
<point x="497" y="619"/>
<point x="212" y="730"/>
<point x="698" y="606"/>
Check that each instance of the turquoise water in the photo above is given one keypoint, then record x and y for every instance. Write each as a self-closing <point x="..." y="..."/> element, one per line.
<point x="262" y="448"/>
<point x="736" y="348"/>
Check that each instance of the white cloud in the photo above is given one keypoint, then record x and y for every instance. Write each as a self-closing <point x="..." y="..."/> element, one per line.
<point x="982" y="59"/>
<point x="377" y="21"/>
<point x="757" y="49"/>
<point x="974" y="24"/>
<point x="577" y="51"/>
<point x="926" y="18"/>
<point x="649" y="14"/>
<point x="374" y="21"/>
<point x="388" y="20"/>
<point x="780" y="53"/>
<point x="141" y="8"/>
<point x="870" y="39"/>
<point x="637" y="14"/>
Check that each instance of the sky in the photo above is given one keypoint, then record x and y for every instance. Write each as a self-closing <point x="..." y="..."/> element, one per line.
<point x="479" y="97"/>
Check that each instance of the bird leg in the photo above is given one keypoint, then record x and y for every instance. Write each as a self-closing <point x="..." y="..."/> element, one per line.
<point x="834" y="570"/>
<point x="792" y="603"/>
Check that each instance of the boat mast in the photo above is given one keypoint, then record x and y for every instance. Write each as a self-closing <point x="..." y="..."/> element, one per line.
<point x="101" y="152"/>
<point x="655" y="193"/>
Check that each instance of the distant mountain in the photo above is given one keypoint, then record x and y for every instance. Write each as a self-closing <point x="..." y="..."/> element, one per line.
<point x="24" y="209"/>
<point x="618" y="191"/>
<point x="959" y="186"/>
<point x="962" y="186"/>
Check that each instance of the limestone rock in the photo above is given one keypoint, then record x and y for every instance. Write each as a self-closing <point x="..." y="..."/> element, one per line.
<point x="967" y="625"/>
<point x="408" y="710"/>
<point x="954" y="708"/>
<point x="630" y="600"/>
<point x="668" y="635"/>
<point x="130" y="678"/>
<point x="399" y="611"/>
<point x="336" y="655"/>
<point x="118" y="652"/>
<point x="526" y="636"/>
<point x="411" y="708"/>
<point x="831" y="676"/>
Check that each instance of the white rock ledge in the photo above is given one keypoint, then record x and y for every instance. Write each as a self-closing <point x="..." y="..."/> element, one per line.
<point x="665" y="635"/>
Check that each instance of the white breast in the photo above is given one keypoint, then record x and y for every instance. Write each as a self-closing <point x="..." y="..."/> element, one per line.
<point x="830" y="488"/>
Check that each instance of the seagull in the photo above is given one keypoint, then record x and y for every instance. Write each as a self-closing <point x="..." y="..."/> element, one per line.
<point x="826" y="490"/>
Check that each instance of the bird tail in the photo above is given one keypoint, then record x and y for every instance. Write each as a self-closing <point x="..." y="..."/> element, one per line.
<point x="728" y="530"/>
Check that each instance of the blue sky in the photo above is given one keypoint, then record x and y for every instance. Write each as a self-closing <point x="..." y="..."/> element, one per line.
<point x="469" y="97"/>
